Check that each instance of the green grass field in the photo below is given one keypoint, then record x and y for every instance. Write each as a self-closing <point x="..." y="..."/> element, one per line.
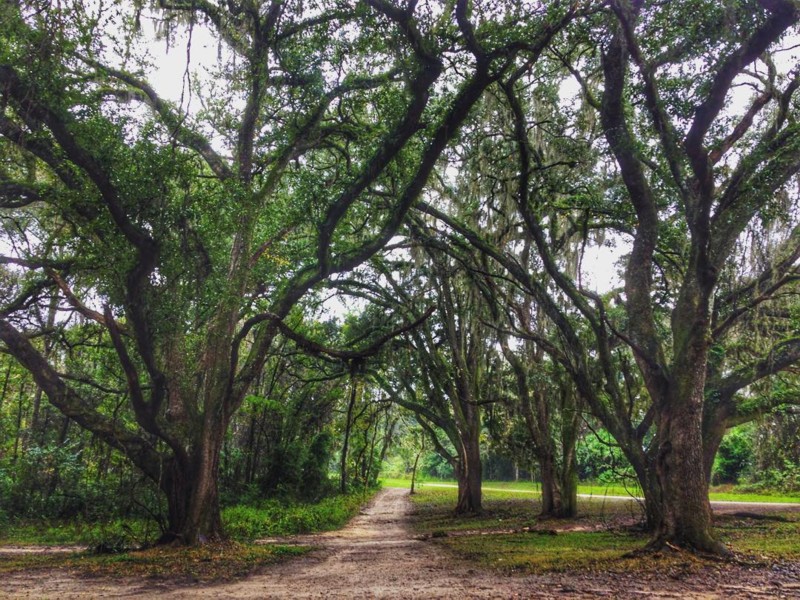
<point x="723" y="494"/>
<point x="508" y="536"/>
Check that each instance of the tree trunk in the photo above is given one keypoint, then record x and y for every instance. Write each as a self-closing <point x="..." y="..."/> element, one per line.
<point x="387" y="438"/>
<point x="414" y="469"/>
<point x="18" y="432"/>
<point x="191" y="487"/>
<point x="569" y="491"/>
<point x="559" y="481"/>
<point x="5" y="384"/>
<point x="551" y="491"/>
<point x="685" y="518"/>
<point x="712" y="439"/>
<point x="559" y="487"/>
<point x="346" y="441"/>
<point x="568" y="473"/>
<point x="250" y="456"/>
<point x="370" y="466"/>
<point x="193" y="502"/>
<point x="716" y="417"/>
<point x="469" y="476"/>
<point x="35" y="425"/>
<point x="653" y="496"/>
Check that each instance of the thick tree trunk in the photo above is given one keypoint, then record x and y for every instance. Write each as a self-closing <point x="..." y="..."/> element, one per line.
<point x="559" y="487"/>
<point x="685" y="518"/>
<point x="653" y="498"/>
<point x="469" y="476"/>
<point x="193" y="507"/>
<point x="568" y="473"/>
<point x="559" y="480"/>
<point x="192" y="493"/>
<point x="569" y="492"/>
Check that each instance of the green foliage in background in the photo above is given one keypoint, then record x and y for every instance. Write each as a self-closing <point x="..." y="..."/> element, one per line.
<point x="735" y="456"/>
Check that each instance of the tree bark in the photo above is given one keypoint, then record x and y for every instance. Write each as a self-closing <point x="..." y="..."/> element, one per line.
<point x="568" y="472"/>
<point x="346" y="442"/>
<point x="469" y="476"/>
<point x="414" y="468"/>
<point x="685" y="518"/>
<point x="193" y="499"/>
<point x="569" y="491"/>
<point x="551" y="490"/>
<point x="559" y="486"/>
<point x="653" y="494"/>
<point x="712" y="439"/>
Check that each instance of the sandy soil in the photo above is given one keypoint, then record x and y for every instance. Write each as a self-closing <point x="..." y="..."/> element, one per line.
<point x="377" y="556"/>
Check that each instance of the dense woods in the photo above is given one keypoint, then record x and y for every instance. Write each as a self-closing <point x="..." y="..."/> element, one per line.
<point x="555" y="239"/>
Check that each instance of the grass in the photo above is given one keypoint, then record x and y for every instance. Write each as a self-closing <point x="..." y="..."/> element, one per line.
<point x="599" y="490"/>
<point x="730" y="493"/>
<point x="274" y="518"/>
<point x="208" y="563"/>
<point x="775" y="537"/>
<point x="507" y="510"/>
<point x="544" y="553"/>
<point x="526" y="487"/>
<point x="120" y="532"/>
<point x="509" y="537"/>
<point x="242" y="523"/>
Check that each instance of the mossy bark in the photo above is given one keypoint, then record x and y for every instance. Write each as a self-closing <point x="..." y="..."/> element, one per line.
<point x="559" y="487"/>
<point x="193" y="497"/>
<point x="469" y="477"/>
<point x="685" y="517"/>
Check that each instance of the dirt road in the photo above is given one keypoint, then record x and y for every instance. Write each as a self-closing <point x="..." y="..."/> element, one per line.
<point x="376" y="556"/>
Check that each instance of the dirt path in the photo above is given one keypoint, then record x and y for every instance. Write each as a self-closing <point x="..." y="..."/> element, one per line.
<point x="376" y="556"/>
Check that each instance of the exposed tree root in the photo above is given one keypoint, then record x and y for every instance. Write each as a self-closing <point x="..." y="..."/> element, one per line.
<point x="715" y="551"/>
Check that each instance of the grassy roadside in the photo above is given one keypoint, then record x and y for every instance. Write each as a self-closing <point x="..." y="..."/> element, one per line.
<point x="213" y="562"/>
<point x="509" y="537"/>
<point x="208" y="564"/>
<point x="720" y="493"/>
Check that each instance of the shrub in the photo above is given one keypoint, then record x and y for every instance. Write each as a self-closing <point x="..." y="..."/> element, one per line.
<point x="784" y="480"/>
<point x="274" y="518"/>
<point x="600" y="459"/>
<point x="735" y="455"/>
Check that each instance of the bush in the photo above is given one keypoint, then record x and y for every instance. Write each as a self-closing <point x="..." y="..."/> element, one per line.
<point x="433" y="465"/>
<point x="735" y="455"/>
<point x="110" y="536"/>
<point x="314" y="480"/>
<point x="274" y="518"/>
<point x="784" y="480"/>
<point x="600" y="459"/>
<point x="54" y="481"/>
